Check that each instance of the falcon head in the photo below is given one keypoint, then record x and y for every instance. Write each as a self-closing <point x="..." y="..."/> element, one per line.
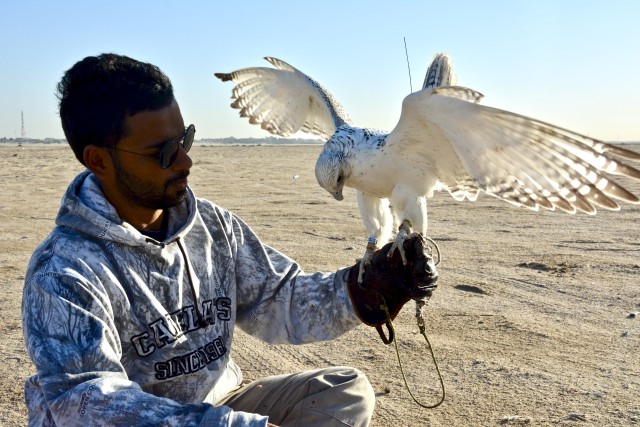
<point x="332" y="170"/>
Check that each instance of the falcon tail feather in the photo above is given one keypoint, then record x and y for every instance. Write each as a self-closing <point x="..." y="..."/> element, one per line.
<point x="439" y="73"/>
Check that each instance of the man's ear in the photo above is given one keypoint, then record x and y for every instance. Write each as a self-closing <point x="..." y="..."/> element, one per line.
<point x="98" y="161"/>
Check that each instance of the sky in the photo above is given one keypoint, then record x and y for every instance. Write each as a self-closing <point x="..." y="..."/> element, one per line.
<point x="573" y="63"/>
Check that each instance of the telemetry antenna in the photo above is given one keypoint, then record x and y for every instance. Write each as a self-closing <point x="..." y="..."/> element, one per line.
<point x="408" y="67"/>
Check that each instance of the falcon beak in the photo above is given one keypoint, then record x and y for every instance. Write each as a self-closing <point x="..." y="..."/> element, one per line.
<point x="338" y="195"/>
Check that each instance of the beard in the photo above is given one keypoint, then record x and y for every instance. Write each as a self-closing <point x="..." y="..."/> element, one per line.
<point x="148" y="194"/>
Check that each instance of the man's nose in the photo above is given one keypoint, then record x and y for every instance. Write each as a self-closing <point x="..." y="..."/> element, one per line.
<point x="183" y="161"/>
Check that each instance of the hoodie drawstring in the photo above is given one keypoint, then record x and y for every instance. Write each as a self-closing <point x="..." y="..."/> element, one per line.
<point x="201" y="321"/>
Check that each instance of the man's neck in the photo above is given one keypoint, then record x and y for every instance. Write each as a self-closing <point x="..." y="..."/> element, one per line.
<point x="152" y="222"/>
<point x="159" y="234"/>
<point x="140" y="217"/>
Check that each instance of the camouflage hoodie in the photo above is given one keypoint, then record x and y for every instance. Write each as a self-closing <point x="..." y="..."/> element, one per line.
<point x="128" y="331"/>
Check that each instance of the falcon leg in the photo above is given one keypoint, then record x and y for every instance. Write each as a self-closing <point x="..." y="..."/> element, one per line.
<point x="404" y="232"/>
<point x="365" y="261"/>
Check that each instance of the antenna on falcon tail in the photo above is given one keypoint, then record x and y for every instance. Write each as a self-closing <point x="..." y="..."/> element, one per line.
<point x="408" y="67"/>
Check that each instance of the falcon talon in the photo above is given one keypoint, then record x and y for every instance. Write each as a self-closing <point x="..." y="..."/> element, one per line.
<point x="365" y="261"/>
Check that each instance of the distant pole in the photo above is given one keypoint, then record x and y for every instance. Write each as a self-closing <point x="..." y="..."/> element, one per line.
<point x="23" y="133"/>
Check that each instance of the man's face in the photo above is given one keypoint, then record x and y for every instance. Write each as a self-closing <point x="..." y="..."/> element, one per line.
<point x="139" y="180"/>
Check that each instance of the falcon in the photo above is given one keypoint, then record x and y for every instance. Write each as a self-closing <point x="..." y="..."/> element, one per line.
<point x="445" y="140"/>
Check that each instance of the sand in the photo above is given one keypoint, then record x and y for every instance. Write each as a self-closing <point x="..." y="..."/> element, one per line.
<point x="532" y="323"/>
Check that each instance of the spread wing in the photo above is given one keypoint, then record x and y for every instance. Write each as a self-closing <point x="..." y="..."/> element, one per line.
<point x="283" y="100"/>
<point x="469" y="147"/>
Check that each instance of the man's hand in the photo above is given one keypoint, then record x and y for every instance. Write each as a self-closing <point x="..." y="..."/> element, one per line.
<point x="387" y="281"/>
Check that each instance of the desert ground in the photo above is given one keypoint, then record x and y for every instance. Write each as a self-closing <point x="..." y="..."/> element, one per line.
<point x="536" y="320"/>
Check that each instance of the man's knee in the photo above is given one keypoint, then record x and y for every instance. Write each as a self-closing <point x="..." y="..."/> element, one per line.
<point x="364" y="389"/>
<point x="351" y="386"/>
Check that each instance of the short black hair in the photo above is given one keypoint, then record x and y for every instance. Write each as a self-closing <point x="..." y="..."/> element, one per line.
<point x="98" y="93"/>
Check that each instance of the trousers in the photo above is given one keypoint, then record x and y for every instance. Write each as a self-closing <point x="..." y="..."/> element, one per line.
<point x="336" y="396"/>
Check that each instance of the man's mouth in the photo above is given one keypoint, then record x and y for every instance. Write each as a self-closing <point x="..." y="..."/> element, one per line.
<point x="180" y="181"/>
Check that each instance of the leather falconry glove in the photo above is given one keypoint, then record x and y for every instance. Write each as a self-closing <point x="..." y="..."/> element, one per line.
<point x="388" y="282"/>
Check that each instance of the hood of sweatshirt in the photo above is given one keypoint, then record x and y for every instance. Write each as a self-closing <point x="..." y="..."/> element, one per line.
<point x="85" y="209"/>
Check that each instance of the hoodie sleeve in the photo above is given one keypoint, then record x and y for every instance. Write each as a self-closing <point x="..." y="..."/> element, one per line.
<point x="279" y="303"/>
<point x="70" y="336"/>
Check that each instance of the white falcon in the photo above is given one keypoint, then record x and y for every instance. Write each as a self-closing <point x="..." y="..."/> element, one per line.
<point x="444" y="140"/>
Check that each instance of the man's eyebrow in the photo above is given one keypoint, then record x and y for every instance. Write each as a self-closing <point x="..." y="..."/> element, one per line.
<point x="158" y="145"/>
<point x="161" y="144"/>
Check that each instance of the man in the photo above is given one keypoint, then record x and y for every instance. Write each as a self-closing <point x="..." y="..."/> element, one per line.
<point x="130" y="303"/>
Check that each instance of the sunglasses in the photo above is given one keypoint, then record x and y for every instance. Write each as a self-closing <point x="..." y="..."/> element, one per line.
<point x="169" y="151"/>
